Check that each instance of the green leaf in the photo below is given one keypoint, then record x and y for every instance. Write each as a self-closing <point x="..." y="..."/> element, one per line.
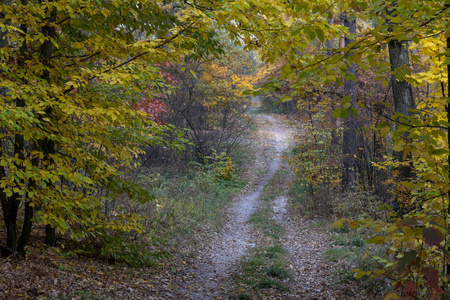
<point x="383" y="124"/>
<point x="385" y="131"/>
<point x="346" y="99"/>
<point x="398" y="148"/>
<point x="406" y="260"/>
<point x="376" y="240"/>
<point x="344" y="113"/>
<point x="286" y="99"/>
<point x="193" y="74"/>
<point x="337" y="113"/>
<point x="320" y="35"/>
<point x="296" y="31"/>
<point x="440" y="151"/>
<point x="339" y="223"/>
<point x="360" y="274"/>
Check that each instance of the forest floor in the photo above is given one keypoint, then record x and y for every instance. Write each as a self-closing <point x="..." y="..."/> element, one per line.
<point x="263" y="251"/>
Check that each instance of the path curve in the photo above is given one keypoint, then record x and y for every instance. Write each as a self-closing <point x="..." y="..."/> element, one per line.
<point x="210" y="279"/>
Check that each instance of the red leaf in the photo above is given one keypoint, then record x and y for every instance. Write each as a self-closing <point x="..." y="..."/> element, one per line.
<point x="432" y="277"/>
<point x="432" y="236"/>
<point x="410" y="289"/>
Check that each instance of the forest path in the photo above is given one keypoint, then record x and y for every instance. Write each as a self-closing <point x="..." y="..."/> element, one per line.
<point x="213" y="270"/>
<point x="210" y="279"/>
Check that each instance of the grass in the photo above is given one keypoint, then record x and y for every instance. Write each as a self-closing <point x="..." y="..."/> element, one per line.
<point x="277" y="271"/>
<point x="349" y="251"/>
<point x="275" y="250"/>
<point x="242" y="296"/>
<point x="268" y="226"/>
<point x="265" y="268"/>
<point x="337" y="254"/>
<point x="187" y="203"/>
<point x="267" y="283"/>
<point x="261" y="172"/>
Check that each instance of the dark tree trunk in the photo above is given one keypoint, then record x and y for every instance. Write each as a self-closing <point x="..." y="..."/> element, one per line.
<point x="29" y="211"/>
<point x="334" y="135"/>
<point x="402" y="94"/>
<point x="378" y="174"/>
<point x="349" y="143"/>
<point x="10" y="205"/>
<point x="448" y="140"/>
<point x="401" y="89"/>
<point x="48" y="144"/>
<point x="3" y="198"/>
<point x="50" y="236"/>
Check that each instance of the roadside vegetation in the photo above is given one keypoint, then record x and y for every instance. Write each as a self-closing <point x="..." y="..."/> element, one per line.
<point x="316" y="194"/>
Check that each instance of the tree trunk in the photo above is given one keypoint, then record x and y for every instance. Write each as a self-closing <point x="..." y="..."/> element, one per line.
<point x="349" y="145"/>
<point x="48" y="144"/>
<point x="448" y="143"/>
<point x="378" y="174"/>
<point x="334" y="135"/>
<point x="11" y="204"/>
<point x="402" y="94"/>
<point x="29" y="211"/>
<point x="401" y="89"/>
<point x="3" y="199"/>
<point x="50" y="236"/>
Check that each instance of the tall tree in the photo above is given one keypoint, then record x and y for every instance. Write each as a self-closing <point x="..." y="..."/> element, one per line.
<point x="401" y="89"/>
<point x="349" y="142"/>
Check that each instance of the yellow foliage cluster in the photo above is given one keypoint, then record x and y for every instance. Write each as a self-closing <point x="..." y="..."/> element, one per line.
<point x="226" y="86"/>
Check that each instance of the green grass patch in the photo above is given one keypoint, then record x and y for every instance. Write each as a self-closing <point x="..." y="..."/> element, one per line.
<point x="277" y="271"/>
<point x="337" y="254"/>
<point x="349" y="252"/>
<point x="186" y="204"/>
<point x="267" y="283"/>
<point x="266" y="224"/>
<point x="275" y="250"/>
<point x="242" y="296"/>
<point x="265" y="268"/>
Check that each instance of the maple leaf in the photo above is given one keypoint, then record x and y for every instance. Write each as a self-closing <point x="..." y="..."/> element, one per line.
<point x="411" y="289"/>
<point x="432" y="277"/>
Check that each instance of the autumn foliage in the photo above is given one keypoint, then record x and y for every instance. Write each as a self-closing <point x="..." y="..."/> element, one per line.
<point x="83" y="100"/>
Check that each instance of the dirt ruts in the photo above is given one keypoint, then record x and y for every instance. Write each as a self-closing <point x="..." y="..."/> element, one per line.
<point x="211" y="273"/>
<point x="210" y="279"/>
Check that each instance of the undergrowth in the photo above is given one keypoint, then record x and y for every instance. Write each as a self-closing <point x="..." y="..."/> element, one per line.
<point x="186" y="207"/>
<point x="323" y="202"/>
<point x="187" y="204"/>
